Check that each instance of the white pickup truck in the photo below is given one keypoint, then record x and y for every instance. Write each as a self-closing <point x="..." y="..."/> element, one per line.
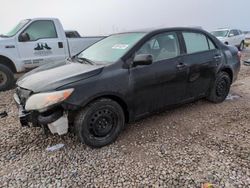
<point x="34" y="42"/>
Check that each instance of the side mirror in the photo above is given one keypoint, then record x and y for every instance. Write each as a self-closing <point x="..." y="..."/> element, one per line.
<point x="231" y="35"/>
<point x="143" y="59"/>
<point x="24" y="37"/>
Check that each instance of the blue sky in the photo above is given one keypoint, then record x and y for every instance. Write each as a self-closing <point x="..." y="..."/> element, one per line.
<point x="101" y="17"/>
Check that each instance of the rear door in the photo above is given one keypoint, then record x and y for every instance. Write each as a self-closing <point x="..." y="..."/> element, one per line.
<point x="202" y="58"/>
<point x="163" y="82"/>
<point x="44" y="45"/>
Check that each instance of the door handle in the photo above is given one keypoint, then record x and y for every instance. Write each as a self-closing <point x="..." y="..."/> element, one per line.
<point x="181" y="65"/>
<point x="217" y="57"/>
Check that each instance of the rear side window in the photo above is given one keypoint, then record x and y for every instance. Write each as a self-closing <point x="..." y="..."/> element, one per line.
<point x="195" y="42"/>
<point x="41" y="29"/>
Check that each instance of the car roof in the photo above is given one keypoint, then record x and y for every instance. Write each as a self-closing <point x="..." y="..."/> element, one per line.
<point x="222" y="29"/>
<point x="156" y="30"/>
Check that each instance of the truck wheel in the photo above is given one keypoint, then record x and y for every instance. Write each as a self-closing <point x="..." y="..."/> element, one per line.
<point x="6" y="78"/>
<point x="241" y="47"/>
<point x="99" y="123"/>
<point x="220" y="88"/>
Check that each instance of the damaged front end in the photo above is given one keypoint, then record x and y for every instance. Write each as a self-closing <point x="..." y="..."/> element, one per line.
<point x="43" y="109"/>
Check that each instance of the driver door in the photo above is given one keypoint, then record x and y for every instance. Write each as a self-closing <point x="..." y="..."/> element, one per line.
<point x="43" y="46"/>
<point x="162" y="83"/>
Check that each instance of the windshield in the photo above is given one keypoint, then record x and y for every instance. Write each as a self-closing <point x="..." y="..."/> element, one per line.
<point x="221" y="33"/>
<point x="19" y="26"/>
<point x="112" y="48"/>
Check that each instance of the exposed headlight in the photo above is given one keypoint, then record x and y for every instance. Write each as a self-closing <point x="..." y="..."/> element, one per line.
<point x="44" y="100"/>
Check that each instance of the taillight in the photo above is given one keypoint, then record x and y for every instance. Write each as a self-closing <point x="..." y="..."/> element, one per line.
<point x="239" y="55"/>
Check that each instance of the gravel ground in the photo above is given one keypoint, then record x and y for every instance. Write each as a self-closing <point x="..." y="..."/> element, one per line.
<point x="184" y="147"/>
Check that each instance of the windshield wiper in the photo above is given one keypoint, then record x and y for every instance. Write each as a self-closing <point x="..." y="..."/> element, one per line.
<point x="3" y="36"/>
<point x="85" y="60"/>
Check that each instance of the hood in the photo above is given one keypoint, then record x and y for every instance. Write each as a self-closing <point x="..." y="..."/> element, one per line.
<point x="221" y="38"/>
<point x="53" y="75"/>
<point x="6" y="41"/>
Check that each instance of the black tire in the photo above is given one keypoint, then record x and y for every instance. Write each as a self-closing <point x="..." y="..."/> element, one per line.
<point x="220" y="88"/>
<point x="6" y="78"/>
<point x="241" y="46"/>
<point x="99" y="123"/>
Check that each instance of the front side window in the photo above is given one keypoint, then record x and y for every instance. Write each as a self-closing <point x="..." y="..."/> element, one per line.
<point x="41" y="29"/>
<point x="211" y="44"/>
<point x="235" y="32"/>
<point x="162" y="46"/>
<point x="195" y="42"/>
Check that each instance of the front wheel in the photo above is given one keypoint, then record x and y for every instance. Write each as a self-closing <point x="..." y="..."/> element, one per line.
<point x="241" y="47"/>
<point x="220" y="88"/>
<point x="100" y="123"/>
<point x="6" y="78"/>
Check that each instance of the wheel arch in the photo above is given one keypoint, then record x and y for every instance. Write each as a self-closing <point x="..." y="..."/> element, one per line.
<point x="228" y="71"/>
<point x="8" y="63"/>
<point x="115" y="98"/>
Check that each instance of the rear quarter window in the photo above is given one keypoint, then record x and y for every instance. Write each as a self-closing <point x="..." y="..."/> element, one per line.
<point x="211" y="44"/>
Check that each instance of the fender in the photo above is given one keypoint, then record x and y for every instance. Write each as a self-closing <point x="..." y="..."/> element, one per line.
<point x="228" y="69"/>
<point x="119" y="98"/>
<point x="112" y="95"/>
<point x="7" y="61"/>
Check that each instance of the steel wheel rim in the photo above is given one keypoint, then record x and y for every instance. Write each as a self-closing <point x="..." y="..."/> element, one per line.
<point x="102" y="123"/>
<point x="221" y="88"/>
<point x="3" y="78"/>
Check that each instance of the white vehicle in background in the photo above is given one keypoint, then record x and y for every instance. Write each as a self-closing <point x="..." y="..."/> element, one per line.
<point x="247" y="41"/>
<point x="234" y="37"/>
<point x="34" y="42"/>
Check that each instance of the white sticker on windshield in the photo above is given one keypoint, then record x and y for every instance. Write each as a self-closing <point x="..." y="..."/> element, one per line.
<point x="120" y="46"/>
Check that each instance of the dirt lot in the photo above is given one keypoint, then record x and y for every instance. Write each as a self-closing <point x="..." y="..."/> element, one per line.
<point x="184" y="147"/>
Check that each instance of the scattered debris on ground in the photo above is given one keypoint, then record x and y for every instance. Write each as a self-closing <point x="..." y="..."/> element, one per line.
<point x="3" y="114"/>
<point x="232" y="97"/>
<point x="55" y="147"/>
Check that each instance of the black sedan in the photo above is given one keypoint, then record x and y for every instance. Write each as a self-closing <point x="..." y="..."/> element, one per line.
<point x="123" y="78"/>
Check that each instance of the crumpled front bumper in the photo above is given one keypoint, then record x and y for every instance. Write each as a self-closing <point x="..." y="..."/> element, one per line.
<point x="24" y="116"/>
<point x="55" y="118"/>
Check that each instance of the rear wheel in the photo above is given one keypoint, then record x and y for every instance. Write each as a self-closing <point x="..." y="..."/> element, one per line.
<point x="6" y="78"/>
<point x="220" y="88"/>
<point x="99" y="123"/>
